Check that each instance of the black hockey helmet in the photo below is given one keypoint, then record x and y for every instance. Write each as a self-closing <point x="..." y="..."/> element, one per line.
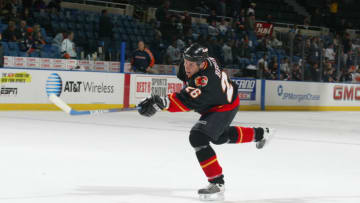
<point x="196" y="53"/>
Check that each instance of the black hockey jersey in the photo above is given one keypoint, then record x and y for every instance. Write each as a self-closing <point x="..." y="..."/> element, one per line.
<point x="208" y="90"/>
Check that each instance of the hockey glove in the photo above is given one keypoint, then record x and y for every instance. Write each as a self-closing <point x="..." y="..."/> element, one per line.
<point x="151" y="105"/>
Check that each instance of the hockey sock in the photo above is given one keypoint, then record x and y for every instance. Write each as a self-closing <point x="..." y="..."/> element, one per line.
<point x="239" y="134"/>
<point x="208" y="162"/>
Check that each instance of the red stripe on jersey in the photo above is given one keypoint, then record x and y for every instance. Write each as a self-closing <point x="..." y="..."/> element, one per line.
<point x="176" y="105"/>
<point x="225" y="107"/>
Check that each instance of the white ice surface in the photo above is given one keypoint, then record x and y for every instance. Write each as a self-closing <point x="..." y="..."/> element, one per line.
<point x="50" y="157"/>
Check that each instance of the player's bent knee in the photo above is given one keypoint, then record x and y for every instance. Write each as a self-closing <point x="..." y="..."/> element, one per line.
<point x="221" y="140"/>
<point x="198" y="139"/>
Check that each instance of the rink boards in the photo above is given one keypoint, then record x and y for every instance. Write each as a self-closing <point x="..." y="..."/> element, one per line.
<point x="24" y="89"/>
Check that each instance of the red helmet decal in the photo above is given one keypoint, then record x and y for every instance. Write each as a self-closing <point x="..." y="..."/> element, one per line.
<point x="201" y="81"/>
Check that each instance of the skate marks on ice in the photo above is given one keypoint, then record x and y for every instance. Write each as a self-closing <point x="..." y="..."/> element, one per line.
<point x="182" y="193"/>
<point x="320" y="199"/>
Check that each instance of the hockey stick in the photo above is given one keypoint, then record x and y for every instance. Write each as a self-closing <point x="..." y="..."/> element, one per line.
<point x="66" y="108"/>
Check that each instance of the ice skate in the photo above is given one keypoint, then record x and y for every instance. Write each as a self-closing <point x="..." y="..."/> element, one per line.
<point x="268" y="134"/>
<point x="213" y="192"/>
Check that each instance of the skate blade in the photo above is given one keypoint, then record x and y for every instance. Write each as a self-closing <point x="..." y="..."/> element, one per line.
<point x="212" y="197"/>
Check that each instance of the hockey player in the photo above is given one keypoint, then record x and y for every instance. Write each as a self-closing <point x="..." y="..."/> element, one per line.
<point x="211" y="93"/>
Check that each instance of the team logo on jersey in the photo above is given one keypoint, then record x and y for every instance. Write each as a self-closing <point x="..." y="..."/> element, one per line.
<point x="201" y="81"/>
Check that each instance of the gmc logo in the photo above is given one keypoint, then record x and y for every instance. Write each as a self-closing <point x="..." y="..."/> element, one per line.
<point x="346" y="93"/>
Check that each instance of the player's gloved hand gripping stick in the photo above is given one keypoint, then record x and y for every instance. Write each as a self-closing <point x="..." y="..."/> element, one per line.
<point x="151" y="105"/>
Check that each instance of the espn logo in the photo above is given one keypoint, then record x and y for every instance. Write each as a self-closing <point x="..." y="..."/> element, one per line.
<point x="8" y="91"/>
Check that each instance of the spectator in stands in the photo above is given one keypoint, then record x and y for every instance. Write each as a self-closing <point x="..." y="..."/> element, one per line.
<point x="273" y="67"/>
<point x="162" y="13"/>
<point x="285" y="69"/>
<point x="211" y="46"/>
<point x="157" y="47"/>
<point x="346" y="75"/>
<point x="11" y="34"/>
<point x="314" y="52"/>
<point x="250" y="27"/>
<point x="36" y="28"/>
<point x="275" y="43"/>
<point x="68" y="47"/>
<point x="251" y="10"/>
<point x="222" y="27"/>
<point x="173" y="55"/>
<point x="180" y="43"/>
<point x="22" y="29"/>
<point x="329" y="73"/>
<point x="188" y="39"/>
<point x="27" y="16"/>
<point x="106" y="32"/>
<point x="219" y="53"/>
<point x="227" y="50"/>
<point x="262" y="66"/>
<point x="241" y="53"/>
<point x="347" y="47"/>
<point x="186" y="21"/>
<point x="203" y="7"/>
<point x="296" y="73"/>
<point x="142" y="59"/>
<point x="212" y="17"/>
<point x="263" y="45"/>
<point x="239" y="21"/>
<point x="57" y="40"/>
<point x="39" y="41"/>
<point x="242" y="16"/>
<point x="213" y="30"/>
<point x="169" y="30"/>
<point x="235" y="6"/>
<point x="34" y="42"/>
<point x="330" y="53"/>
<point x="27" y="42"/>
<point x="265" y="71"/>
<point x="312" y="73"/>
<point x="306" y="22"/>
<point x="13" y="7"/>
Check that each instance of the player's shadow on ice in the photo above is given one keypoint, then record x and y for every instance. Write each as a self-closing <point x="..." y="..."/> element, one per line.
<point x="189" y="194"/>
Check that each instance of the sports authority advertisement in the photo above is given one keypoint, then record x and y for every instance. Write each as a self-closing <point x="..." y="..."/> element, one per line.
<point x="143" y="86"/>
<point x="247" y="89"/>
<point x="33" y="87"/>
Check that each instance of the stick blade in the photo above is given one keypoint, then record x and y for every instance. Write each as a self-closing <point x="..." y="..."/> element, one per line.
<point x="60" y="103"/>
